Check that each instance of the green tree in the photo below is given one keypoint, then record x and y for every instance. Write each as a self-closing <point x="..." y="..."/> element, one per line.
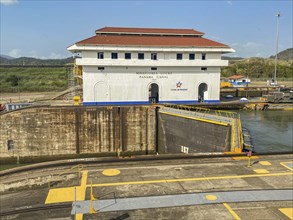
<point x="13" y="79"/>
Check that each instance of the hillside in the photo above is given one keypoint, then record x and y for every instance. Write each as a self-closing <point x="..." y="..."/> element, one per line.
<point x="259" y="68"/>
<point x="33" y="79"/>
<point x="284" y="55"/>
<point x="29" y="61"/>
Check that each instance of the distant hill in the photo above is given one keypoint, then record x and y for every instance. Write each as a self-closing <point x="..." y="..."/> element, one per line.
<point x="6" y="56"/>
<point x="29" y="61"/>
<point x="284" y="55"/>
<point x="231" y="58"/>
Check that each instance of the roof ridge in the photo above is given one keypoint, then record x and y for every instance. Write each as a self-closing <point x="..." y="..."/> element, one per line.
<point x="182" y="31"/>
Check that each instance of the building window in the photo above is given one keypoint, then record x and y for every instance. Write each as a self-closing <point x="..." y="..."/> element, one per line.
<point x="154" y="68"/>
<point x="153" y="56"/>
<point x="204" y="68"/>
<point x="101" y="68"/>
<point x="141" y="56"/>
<point x="179" y="56"/>
<point x="114" y="55"/>
<point x="128" y="56"/>
<point x="203" y="56"/>
<point x="100" y="55"/>
<point x="191" y="56"/>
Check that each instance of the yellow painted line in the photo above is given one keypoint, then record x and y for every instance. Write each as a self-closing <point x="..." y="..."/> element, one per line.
<point x="245" y="158"/>
<point x="190" y="179"/>
<point x="197" y="119"/>
<point x="78" y="216"/>
<point x="284" y="164"/>
<point x="232" y="211"/>
<point x="66" y="194"/>
<point x="265" y="163"/>
<point x="288" y="212"/>
<point x="84" y="178"/>
<point x="261" y="171"/>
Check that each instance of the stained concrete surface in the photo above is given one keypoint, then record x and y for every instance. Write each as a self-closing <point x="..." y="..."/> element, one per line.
<point x="189" y="176"/>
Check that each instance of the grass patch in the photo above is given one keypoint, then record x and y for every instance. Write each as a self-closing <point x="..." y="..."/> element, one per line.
<point x="33" y="79"/>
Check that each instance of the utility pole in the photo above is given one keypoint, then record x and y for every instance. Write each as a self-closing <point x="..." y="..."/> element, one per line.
<point x="277" y="47"/>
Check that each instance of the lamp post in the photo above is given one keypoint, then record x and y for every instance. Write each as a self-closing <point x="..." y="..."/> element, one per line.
<point x="277" y="47"/>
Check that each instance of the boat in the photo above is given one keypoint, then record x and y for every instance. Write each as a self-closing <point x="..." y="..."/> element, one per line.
<point x="247" y="140"/>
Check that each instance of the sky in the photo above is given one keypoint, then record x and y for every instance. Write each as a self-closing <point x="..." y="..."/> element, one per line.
<point x="45" y="28"/>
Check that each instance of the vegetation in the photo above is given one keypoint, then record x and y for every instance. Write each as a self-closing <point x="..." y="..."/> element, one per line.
<point x="285" y="55"/>
<point x="33" y="79"/>
<point x="259" y="68"/>
<point x="29" y="61"/>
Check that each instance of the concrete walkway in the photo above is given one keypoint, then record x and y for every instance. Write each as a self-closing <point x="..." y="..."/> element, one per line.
<point x="149" y="202"/>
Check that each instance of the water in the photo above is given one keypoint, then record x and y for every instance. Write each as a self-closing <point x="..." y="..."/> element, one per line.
<point x="271" y="131"/>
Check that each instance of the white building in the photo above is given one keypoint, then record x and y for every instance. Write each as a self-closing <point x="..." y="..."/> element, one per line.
<point x="239" y="81"/>
<point x="128" y="66"/>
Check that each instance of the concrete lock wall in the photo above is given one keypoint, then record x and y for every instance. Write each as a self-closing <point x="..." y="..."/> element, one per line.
<point x="45" y="131"/>
<point x="177" y="135"/>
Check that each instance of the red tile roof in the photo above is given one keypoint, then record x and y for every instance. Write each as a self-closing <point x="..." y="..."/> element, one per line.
<point x="236" y="77"/>
<point x="134" y="40"/>
<point x="149" y="31"/>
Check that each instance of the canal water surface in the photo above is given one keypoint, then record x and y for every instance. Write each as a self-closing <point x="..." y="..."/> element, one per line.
<point x="271" y="131"/>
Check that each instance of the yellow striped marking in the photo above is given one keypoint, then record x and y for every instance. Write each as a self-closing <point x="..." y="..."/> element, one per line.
<point x="261" y="171"/>
<point x="265" y="163"/>
<point x="67" y="194"/>
<point x="190" y="179"/>
<point x="284" y="164"/>
<point x="84" y="178"/>
<point x="288" y="212"/>
<point x="197" y="119"/>
<point x="245" y="158"/>
<point x="78" y="216"/>
<point x="111" y="172"/>
<point x="64" y="195"/>
<point x="232" y="211"/>
<point x="211" y="197"/>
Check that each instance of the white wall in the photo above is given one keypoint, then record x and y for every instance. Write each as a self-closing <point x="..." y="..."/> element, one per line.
<point x="122" y="84"/>
<point x="128" y="80"/>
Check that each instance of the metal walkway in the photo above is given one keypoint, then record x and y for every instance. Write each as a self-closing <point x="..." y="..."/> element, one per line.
<point x="203" y="115"/>
<point x="148" y="202"/>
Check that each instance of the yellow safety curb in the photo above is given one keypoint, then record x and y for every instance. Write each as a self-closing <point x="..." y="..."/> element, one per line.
<point x="197" y="119"/>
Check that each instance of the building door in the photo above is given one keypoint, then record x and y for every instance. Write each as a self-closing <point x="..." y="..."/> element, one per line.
<point x="202" y="92"/>
<point x="101" y="92"/>
<point x="153" y="93"/>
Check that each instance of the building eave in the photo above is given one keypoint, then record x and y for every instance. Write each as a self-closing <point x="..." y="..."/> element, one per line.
<point x="74" y="48"/>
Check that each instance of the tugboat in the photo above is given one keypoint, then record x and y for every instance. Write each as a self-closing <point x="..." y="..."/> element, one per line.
<point x="247" y="141"/>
